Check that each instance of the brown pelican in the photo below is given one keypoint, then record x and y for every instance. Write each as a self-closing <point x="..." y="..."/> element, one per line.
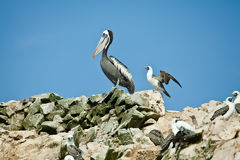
<point x="116" y="71"/>
<point x="157" y="81"/>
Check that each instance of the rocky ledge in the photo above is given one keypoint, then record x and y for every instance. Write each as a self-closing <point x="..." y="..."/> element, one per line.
<point x="108" y="127"/>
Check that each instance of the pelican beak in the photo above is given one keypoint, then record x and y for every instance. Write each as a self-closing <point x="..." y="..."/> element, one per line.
<point x="101" y="44"/>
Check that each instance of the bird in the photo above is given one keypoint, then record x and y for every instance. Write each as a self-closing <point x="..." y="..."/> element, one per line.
<point x="115" y="70"/>
<point x="181" y="128"/>
<point x="157" y="81"/>
<point x="72" y="149"/>
<point x="69" y="157"/>
<point x="225" y="111"/>
<point x="236" y="94"/>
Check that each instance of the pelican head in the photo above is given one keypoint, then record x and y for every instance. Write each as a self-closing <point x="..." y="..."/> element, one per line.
<point x="235" y="93"/>
<point x="104" y="42"/>
<point x="229" y="99"/>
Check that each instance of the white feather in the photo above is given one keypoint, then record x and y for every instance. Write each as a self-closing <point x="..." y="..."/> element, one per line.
<point x="151" y="80"/>
<point x="230" y="111"/>
<point x="121" y="68"/>
<point x="69" y="157"/>
<point x="177" y="125"/>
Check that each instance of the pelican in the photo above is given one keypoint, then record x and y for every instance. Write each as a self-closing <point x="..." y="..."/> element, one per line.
<point x="115" y="71"/>
<point x="72" y="149"/>
<point x="236" y="94"/>
<point x="225" y="111"/>
<point x="157" y="81"/>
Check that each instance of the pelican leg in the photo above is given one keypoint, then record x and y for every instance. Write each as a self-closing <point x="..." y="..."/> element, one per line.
<point x="110" y="92"/>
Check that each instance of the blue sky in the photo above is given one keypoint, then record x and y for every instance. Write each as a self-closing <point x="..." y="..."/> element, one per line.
<point x="46" y="46"/>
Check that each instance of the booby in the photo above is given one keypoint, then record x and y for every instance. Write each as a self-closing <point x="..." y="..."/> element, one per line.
<point x="157" y="81"/>
<point x="225" y="111"/>
<point x="72" y="149"/>
<point x="236" y="94"/>
<point x="181" y="128"/>
<point x="115" y="70"/>
<point x="69" y="157"/>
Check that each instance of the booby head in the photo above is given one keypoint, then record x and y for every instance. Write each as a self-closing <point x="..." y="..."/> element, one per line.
<point x="148" y="67"/>
<point x="235" y="93"/>
<point x="229" y="99"/>
<point x="70" y="139"/>
<point x="104" y="42"/>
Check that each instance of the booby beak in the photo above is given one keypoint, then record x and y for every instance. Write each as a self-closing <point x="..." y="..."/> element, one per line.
<point x="101" y="44"/>
<point x="145" y="67"/>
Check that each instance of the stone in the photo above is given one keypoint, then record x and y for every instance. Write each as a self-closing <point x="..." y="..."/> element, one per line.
<point x="13" y="106"/>
<point x="47" y="97"/>
<point x="116" y="94"/>
<point x="67" y="118"/>
<point x="17" y="120"/>
<point x="109" y="125"/>
<point x="51" y="115"/>
<point x="3" y="111"/>
<point x="125" y="137"/>
<point x="35" y="106"/>
<point x="91" y="134"/>
<point x="71" y="124"/>
<point x="66" y="102"/>
<point x="76" y="109"/>
<point x="47" y="108"/>
<point x="32" y="121"/>
<point x="50" y="127"/>
<point x="94" y="99"/>
<point x="77" y="135"/>
<point x="58" y="118"/>
<point x="3" y="119"/>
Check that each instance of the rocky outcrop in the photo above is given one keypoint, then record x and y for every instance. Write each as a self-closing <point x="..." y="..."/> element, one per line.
<point x="108" y="127"/>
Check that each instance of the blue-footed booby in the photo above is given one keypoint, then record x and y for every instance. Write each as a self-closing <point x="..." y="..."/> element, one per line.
<point x="225" y="111"/>
<point x="72" y="149"/>
<point x="236" y="94"/>
<point x="157" y="81"/>
<point x="115" y="70"/>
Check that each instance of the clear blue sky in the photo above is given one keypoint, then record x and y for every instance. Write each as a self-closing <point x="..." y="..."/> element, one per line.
<point x="46" y="46"/>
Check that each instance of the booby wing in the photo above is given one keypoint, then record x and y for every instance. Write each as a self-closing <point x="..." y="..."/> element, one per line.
<point x="220" y="112"/>
<point x="163" y="89"/>
<point x="237" y="108"/>
<point x="166" y="77"/>
<point x="74" y="151"/>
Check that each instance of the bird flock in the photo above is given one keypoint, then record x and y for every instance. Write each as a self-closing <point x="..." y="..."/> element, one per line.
<point x="119" y="74"/>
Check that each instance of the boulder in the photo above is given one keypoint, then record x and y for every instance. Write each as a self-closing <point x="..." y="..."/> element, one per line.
<point x="47" y="108"/>
<point x="50" y="127"/>
<point x="32" y="121"/>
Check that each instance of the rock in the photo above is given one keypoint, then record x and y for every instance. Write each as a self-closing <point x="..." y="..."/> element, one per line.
<point x="58" y="119"/>
<point x="32" y="121"/>
<point x="125" y="137"/>
<point x="50" y="127"/>
<point x="4" y="119"/>
<point x="51" y="115"/>
<point x="110" y="125"/>
<point x="66" y="102"/>
<point x="16" y="120"/>
<point x="35" y="107"/>
<point x="77" y="135"/>
<point x="77" y="109"/>
<point x="47" y="97"/>
<point x="94" y="99"/>
<point x="67" y="118"/>
<point x="13" y="106"/>
<point x="132" y="118"/>
<point x="91" y="134"/>
<point x="3" y="111"/>
<point x="96" y="150"/>
<point x="112" y="154"/>
<point x="47" y="108"/>
<point x="116" y="94"/>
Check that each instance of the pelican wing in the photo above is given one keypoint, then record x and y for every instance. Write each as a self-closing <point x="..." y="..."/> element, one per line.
<point x="121" y="68"/>
<point x="166" y="76"/>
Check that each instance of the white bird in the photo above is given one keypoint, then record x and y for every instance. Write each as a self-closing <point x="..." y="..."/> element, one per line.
<point x="230" y="104"/>
<point x="157" y="81"/>
<point x="236" y="94"/>
<point x="225" y="111"/>
<point x="72" y="149"/>
<point x="181" y="126"/>
<point x="69" y="157"/>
